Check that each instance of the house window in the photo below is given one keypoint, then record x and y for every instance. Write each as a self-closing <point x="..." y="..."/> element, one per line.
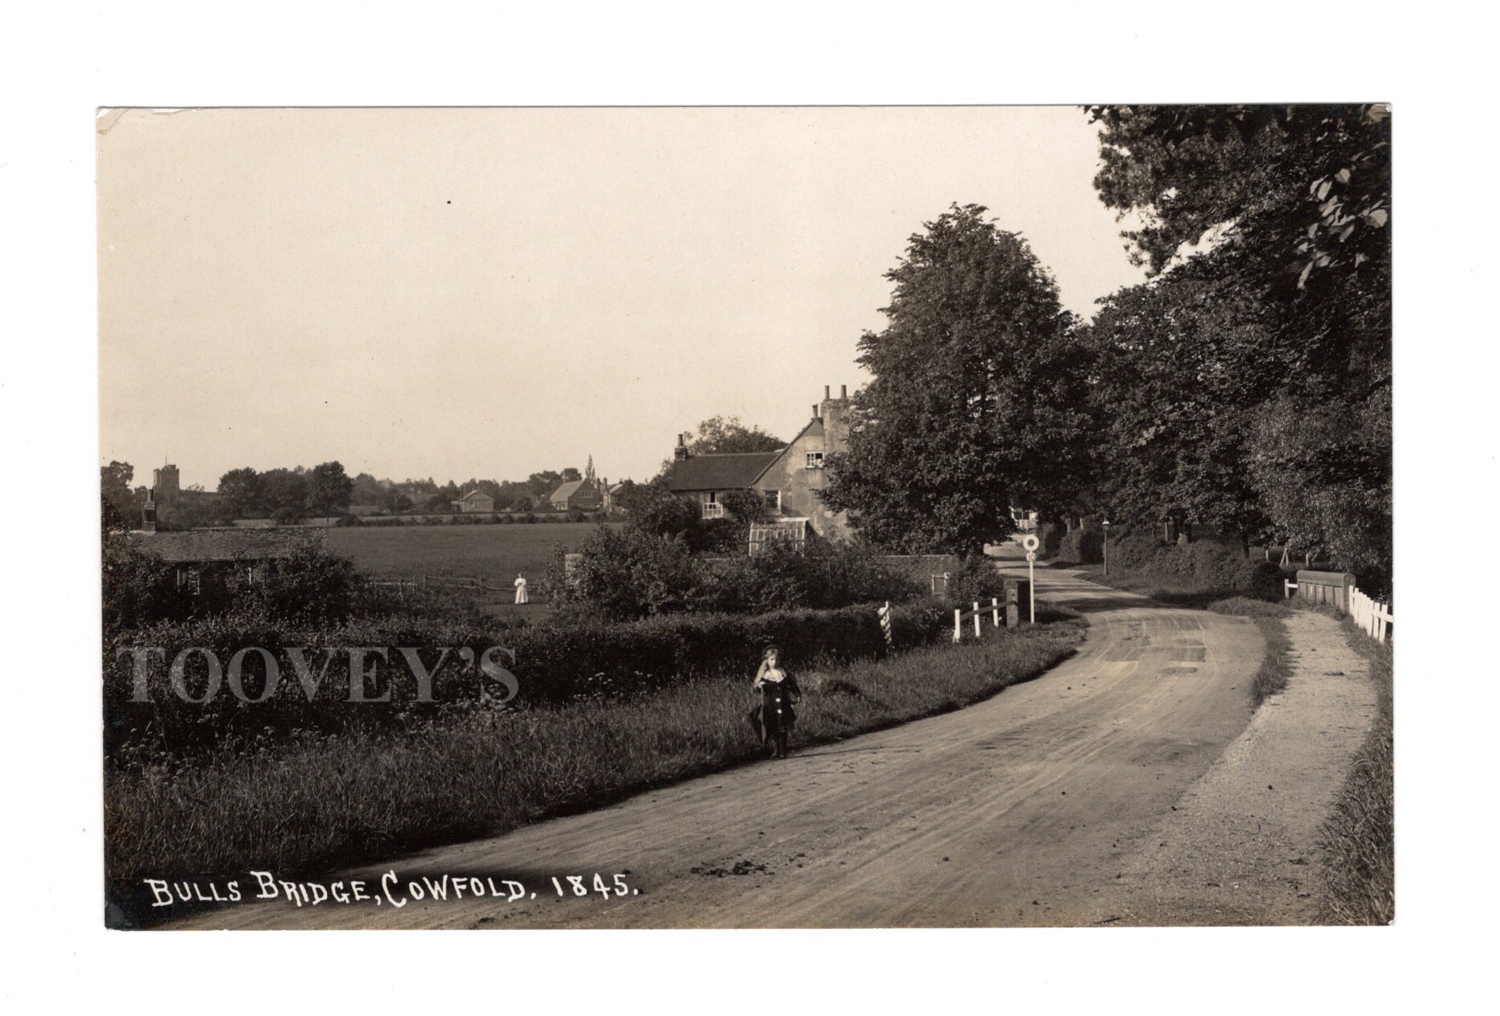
<point x="814" y="460"/>
<point x="712" y="509"/>
<point x="773" y="499"/>
<point x="194" y="586"/>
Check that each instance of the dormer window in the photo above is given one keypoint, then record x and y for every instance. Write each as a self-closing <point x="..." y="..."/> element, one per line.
<point x="814" y="460"/>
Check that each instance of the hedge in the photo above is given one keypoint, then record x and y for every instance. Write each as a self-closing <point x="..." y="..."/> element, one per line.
<point x="552" y="664"/>
<point x="1209" y="564"/>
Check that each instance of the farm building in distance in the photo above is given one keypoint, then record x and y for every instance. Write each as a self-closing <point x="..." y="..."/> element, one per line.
<point x="227" y="555"/>
<point x="788" y="479"/>
<point x="589" y="494"/>
<point x="475" y="500"/>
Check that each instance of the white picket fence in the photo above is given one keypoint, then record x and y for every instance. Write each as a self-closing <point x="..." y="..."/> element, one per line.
<point x="1338" y="590"/>
<point x="1374" y="618"/>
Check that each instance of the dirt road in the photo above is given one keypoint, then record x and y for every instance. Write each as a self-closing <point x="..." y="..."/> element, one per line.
<point x="1025" y="809"/>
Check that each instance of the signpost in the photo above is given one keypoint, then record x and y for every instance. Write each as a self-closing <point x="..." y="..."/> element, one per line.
<point x="1031" y="543"/>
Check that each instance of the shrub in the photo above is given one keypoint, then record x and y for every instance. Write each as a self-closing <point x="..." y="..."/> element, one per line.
<point x="820" y="575"/>
<point x="1133" y="549"/>
<point x="1051" y="534"/>
<point x="976" y="581"/>
<point x="622" y="574"/>
<point x="288" y="515"/>
<point x="138" y="588"/>
<point x="628" y="573"/>
<point x="1082" y="546"/>
<point x="1210" y="565"/>
<point x="652" y="508"/>
<point x="312" y="584"/>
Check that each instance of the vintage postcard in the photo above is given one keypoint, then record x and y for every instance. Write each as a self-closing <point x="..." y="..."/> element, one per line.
<point x="808" y="517"/>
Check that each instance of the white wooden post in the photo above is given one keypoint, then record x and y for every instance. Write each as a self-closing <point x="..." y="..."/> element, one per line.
<point x="958" y="620"/>
<point x="976" y="619"/>
<point x="995" y="610"/>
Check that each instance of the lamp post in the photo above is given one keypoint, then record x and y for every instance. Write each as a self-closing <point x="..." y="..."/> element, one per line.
<point x="1106" y="547"/>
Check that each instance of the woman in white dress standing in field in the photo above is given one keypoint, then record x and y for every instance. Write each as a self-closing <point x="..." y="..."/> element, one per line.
<point x="521" y="596"/>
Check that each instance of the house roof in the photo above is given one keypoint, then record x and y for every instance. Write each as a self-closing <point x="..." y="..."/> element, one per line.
<point x="720" y="471"/>
<point x="570" y="488"/>
<point x="476" y="492"/>
<point x="227" y="544"/>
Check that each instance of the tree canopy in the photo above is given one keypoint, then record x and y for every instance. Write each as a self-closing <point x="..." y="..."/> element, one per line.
<point x="1248" y="383"/>
<point x="978" y="399"/>
<point x="719" y="434"/>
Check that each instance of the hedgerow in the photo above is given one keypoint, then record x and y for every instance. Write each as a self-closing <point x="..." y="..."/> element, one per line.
<point x="551" y="663"/>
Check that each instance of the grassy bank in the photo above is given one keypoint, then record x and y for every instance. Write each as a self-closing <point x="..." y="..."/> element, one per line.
<point x="1359" y="838"/>
<point x="307" y="804"/>
<point x="1176" y="591"/>
<point x="1276" y="664"/>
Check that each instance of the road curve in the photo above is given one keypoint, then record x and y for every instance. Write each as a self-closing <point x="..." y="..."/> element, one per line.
<point x="1021" y="810"/>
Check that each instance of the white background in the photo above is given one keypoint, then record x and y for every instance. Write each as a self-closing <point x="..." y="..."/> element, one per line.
<point x="60" y="61"/>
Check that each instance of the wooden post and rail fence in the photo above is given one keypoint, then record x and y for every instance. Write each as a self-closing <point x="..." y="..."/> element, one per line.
<point x="1017" y="591"/>
<point x="1338" y="590"/>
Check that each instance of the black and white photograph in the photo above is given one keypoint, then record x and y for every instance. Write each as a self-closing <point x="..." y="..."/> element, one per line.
<point x="810" y="508"/>
<point x="771" y="517"/>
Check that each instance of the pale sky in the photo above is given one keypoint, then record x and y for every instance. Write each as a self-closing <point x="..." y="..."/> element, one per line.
<point x="457" y="293"/>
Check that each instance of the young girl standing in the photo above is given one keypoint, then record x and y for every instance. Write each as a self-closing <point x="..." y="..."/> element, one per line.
<point x="779" y="692"/>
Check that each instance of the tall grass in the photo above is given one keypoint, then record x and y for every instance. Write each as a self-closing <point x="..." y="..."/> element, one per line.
<point x="306" y="804"/>
<point x="1359" y="837"/>
<point x="1276" y="662"/>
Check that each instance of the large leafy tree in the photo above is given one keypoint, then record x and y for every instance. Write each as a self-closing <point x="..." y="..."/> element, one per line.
<point x="242" y="492"/>
<point x="978" y="398"/>
<point x="285" y="492"/>
<point x="1177" y="366"/>
<point x="328" y="489"/>
<point x="1292" y="207"/>
<point x="119" y="504"/>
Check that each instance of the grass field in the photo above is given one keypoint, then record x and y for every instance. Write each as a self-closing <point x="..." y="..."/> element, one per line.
<point x="495" y="553"/>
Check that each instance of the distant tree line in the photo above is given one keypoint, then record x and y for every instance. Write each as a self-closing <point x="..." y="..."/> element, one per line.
<point x="291" y="495"/>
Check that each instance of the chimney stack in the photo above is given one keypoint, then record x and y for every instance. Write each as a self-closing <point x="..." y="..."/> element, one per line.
<point x="148" y="511"/>
<point x="815" y="410"/>
<point x="827" y="389"/>
<point x="681" y="451"/>
<point x="834" y="413"/>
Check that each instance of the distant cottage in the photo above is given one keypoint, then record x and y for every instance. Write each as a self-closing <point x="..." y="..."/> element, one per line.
<point x="589" y="494"/>
<point x="476" y="500"/>
<point x="788" y="479"/>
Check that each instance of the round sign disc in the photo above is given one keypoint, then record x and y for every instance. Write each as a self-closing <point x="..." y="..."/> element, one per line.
<point x="1031" y="542"/>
